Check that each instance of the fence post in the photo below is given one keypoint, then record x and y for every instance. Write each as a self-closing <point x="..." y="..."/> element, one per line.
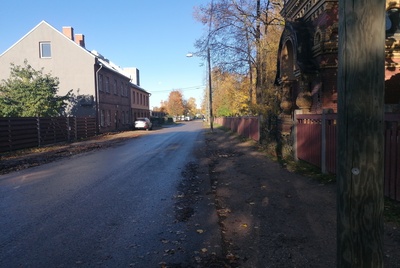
<point x="296" y="112"/>
<point x="10" y="139"/>
<point x="260" y="118"/>
<point x="323" y="141"/>
<point x="54" y="129"/>
<point x="76" y="127"/>
<point x="68" y="128"/>
<point x="38" y="130"/>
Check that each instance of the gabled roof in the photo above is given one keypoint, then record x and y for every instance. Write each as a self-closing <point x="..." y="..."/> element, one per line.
<point x="54" y="29"/>
<point x="139" y="88"/>
<point x="105" y="62"/>
<point x="112" y="66"/>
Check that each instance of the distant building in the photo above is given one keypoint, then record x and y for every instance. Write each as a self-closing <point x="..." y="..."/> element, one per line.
<point x="103" y="89"/>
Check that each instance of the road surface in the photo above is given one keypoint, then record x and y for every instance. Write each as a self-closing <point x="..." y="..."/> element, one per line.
<point x="114" y="207"/>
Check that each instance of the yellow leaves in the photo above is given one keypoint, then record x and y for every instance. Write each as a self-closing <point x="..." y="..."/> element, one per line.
<point x="175" y="105"/>
<point x="230" y="93"/>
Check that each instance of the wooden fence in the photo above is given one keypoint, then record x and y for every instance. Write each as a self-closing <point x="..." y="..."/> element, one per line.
<point x="248" y="126"/>
<point x="316" y="144"/>
<point x="27" y="132"/>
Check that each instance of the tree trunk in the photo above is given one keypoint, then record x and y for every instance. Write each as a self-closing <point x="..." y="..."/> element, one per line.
<point x="258" y="56"/>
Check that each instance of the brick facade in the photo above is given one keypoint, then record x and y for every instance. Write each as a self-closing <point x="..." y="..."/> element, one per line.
<point x="114" y="106"/>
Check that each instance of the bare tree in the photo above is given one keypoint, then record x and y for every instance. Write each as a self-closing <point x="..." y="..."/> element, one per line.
<point x="238" y="37"/>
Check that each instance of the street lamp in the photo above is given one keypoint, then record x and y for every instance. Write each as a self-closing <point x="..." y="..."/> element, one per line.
<point x="210" y="112"/>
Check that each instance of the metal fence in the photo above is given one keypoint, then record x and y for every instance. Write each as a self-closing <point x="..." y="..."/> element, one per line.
<point x="248" y="126"/>
<point x="27" y="132"/>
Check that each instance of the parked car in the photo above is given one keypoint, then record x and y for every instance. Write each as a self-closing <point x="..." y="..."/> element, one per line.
<point x="143" y="123"/>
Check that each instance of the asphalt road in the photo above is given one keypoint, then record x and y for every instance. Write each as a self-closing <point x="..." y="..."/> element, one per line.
<point x="108" y="208"/>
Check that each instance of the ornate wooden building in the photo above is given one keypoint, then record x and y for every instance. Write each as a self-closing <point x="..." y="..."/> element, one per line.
<point x="308" y="58"/>
<point x="392" y="64"/>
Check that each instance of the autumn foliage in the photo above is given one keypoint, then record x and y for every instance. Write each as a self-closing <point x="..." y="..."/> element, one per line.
<point x="230" y="94"/>
<point x="243" y="38"/>
<point x="174" y="106"/>
<point x="177" y="105"/>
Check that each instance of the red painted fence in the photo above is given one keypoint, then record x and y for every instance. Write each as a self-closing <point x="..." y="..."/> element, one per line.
<point x="392" y="156"/>
<point x="245" y="126"/>
<point x="316" y="144"/>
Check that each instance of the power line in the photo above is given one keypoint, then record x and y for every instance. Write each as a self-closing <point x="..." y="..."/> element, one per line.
<point x="183" y="89"/>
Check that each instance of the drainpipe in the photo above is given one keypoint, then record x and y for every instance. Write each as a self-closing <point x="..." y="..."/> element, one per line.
<point x="98" y="98"/>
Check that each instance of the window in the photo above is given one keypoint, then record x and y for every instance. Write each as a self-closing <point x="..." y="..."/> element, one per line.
<point x="102" y="118"/>
<point x="108" y="118"/>
<point x="107" y="84"/>
<point x="100" y="82"/>
<point x="45" y="49"/>
<point x="115" y="87"/>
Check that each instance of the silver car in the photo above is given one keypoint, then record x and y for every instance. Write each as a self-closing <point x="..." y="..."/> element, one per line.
<point x="143" y="123"/>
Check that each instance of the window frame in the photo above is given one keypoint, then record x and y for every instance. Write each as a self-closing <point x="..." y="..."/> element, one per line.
<point x="102" y="118"/>
<point x="107" y="89"/>
<point x="43" y="51"/>
<point x="101" y="82"/>
<point x="115" y="87"/>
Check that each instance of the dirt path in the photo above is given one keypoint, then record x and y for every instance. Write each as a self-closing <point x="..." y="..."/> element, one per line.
<point x="271" y="217"/>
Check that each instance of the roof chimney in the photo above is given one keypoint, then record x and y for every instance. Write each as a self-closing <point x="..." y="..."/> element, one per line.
<point x="80" y="39"/>
<point x="69" y="32"/>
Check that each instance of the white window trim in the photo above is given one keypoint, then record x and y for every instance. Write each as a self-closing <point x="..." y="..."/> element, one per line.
<point x="41" y="49"/>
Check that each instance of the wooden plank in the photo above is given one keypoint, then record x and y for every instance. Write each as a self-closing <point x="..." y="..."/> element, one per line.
<point x="360" y="133"/>
<point x="397" y="166"/>
<point x="392" y="163"/>
<point x="22" y="132"/>
<point x="388" y="145"/>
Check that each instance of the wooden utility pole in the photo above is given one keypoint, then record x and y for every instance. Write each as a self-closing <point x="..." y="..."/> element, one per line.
<point x="360" y="133"/>
<point x="210" y="102"/>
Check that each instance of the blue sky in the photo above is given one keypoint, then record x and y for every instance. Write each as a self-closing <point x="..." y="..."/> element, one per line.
<point x="153" y="36"/>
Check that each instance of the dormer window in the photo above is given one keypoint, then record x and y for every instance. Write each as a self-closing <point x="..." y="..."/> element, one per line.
<point x="45" y="49"/>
